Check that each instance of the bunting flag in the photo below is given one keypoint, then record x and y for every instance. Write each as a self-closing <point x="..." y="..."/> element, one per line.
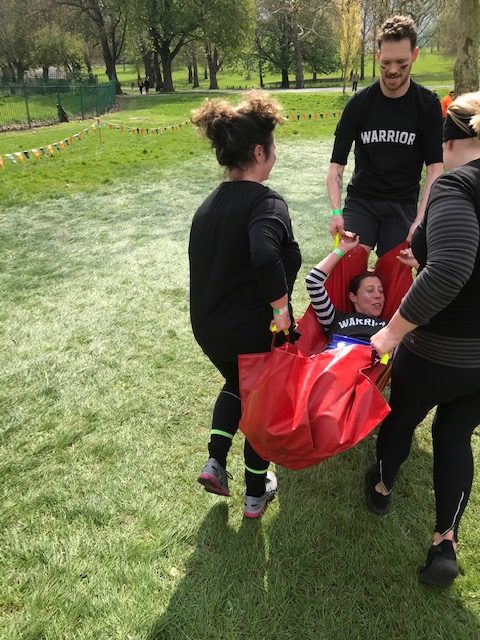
<point x="48" y="150"/>
<point x="142" y="131"/>
<point x="312" y="116"/>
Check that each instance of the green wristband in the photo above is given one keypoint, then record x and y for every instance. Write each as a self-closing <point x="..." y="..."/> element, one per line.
<point x="339" y="252"/>
<point x="279" y="312"/>
<point x="336" y="212"/>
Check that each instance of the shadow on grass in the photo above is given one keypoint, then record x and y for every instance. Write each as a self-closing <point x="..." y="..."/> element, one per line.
<point x="322" y="568"/>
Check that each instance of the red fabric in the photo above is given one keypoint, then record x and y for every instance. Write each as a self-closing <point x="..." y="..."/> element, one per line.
<point x="301" y="404"/>
<point x="396" y="279"/>
<point x="352" y="264"/>
<point x="297" y="410"/>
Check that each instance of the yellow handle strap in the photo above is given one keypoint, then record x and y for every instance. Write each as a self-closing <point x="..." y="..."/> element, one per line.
<point x="273" y="329"/>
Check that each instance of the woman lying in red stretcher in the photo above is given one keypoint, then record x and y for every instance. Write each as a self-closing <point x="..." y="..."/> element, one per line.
<point x="365" y="293"/>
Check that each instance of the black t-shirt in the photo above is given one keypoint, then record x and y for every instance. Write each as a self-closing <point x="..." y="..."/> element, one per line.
<point x="242" y="256"/>
<point x="393" y="138"/>
<point x="355" y="325"/>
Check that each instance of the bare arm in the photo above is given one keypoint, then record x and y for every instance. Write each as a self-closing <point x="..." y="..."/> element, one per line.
<point x="433" y="172"/>
<point x="334" y="189"/>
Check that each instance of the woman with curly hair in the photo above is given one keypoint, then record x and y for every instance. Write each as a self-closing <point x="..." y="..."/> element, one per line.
<point x="243" y="264"/>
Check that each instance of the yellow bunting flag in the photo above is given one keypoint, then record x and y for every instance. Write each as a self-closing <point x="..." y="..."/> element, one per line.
<point x="36" y="153"/>
<point x="2" y="164"/>
<point x="20" y="156"/>
<point x="62" y="144"/>
<point x="50" y="150"/>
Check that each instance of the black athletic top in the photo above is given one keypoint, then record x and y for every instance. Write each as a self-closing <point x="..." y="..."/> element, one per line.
<point x="354" y="325"/>
<point x="242" y="256"/>
<point x="393" y="137"/>
<point x="445" y="296"/>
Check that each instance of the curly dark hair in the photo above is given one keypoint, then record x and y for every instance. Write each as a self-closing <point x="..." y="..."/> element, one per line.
<point x="235" y="131"/>
<point x="398" y="28"/>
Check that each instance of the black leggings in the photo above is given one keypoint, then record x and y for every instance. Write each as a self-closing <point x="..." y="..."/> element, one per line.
<point x="226" y="417"/>
<point x="418" y="385"/>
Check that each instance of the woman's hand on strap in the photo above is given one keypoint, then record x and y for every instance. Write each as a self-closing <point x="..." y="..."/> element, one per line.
<point x="348" y="241"/>
<point x="406" y="257"/>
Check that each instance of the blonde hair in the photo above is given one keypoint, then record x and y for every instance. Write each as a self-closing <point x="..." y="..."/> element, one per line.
<point x="234" y="131"/>
<point x="465" y="112"/>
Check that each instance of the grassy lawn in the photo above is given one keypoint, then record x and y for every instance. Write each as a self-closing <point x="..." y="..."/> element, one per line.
<point x="106" y="403"/>
<point x="431" y="67"/>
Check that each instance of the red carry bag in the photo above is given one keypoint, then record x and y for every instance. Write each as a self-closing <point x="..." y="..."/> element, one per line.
<point x="298" y="410"/>
<point x="301" y="404"/>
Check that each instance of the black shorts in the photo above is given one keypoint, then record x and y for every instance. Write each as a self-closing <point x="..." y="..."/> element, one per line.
<point x="379" y="223"/>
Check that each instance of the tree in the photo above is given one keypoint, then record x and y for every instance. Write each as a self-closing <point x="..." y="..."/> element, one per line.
<point x="169" y="25"/>
<point x="349" y="35"/>
<point x="55" y="46"/>
<point x="109" y="19"/>
<point x="16" y="26"/>
<point x="465" y="71"/>
<point x="227" y="29"/>
<point x="274" y="38"/>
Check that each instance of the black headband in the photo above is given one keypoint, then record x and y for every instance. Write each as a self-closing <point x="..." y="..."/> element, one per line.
<point x="452" y="131"/>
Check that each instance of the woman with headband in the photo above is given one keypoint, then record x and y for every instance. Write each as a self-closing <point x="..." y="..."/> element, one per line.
<point x="437" y="328"/>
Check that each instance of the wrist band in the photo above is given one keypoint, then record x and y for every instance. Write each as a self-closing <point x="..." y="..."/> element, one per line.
<point x="336" y="212"/>
<point x="279" y="312"/>
<point x="339" y="252"/>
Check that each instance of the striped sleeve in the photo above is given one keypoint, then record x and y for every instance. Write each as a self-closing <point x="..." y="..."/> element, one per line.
<point x="321" y="302"/>
<point x="452" y="235"/>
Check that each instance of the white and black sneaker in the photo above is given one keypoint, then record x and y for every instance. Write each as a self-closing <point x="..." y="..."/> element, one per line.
<point x="254" y="507"/>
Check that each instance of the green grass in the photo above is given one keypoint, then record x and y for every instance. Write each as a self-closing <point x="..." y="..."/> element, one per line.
<point x="431" y="67"/>
<point x="106" y="403"/>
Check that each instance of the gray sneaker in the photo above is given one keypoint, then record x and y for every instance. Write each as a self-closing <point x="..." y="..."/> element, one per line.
<point x="255" y="507"/>
<point x="214" y="478"/>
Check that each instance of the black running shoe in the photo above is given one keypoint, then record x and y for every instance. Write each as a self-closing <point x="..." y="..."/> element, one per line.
<point x="376" y="502"/>
<point x="441" y="566"/>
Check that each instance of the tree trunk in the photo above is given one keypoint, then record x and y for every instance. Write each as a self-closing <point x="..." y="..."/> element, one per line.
<point x="213" y="65"/>
<point x="205" y="74"/>
<point x="157" y="72"/>
<point x="110" y="66"/>
<point x="285" y="81"/>
<point x="196" y="83"/>
<point x="363" y="45"/>
<point x="167" y="69"/>
<point x="465" y="71"/>
<point x="299" y="78"/>
<point x="314" y="75"/>
<point x="190" y="73"/>
<point x="20" y="71"/>
<point x="147" y="57"/>
<point x="45" y="74"/>
<point x="260" y="73"/>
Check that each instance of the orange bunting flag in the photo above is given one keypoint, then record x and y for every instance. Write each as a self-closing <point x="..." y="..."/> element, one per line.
<point x="61" y="144"/>
<point x="20" y="156"/>
<point x="110" y="125"/>
<point x="2" y="164"/>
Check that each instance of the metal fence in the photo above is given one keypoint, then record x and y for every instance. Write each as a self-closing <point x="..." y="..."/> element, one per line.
<point x="29" y="105"/>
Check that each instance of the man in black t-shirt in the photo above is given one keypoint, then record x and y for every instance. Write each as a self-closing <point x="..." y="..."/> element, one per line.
<point x="397" y="127"/>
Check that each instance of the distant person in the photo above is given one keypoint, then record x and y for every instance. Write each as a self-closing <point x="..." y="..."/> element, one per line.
<point x="437" y="328"/>
<point x="146" y="84"/>
<point x="396" y="125"/>
<point x="140" y="85"/>
<point x="133" y="85"/>
<point x="446" y="102"/>
<point x="355" y="79"/>
<point x="243" y="264"/>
